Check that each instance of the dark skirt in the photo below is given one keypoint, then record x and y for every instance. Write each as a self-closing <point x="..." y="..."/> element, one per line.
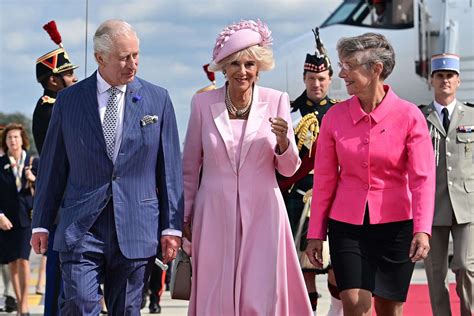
<point x="15" y="244"/>
<point x="372" y="257"/>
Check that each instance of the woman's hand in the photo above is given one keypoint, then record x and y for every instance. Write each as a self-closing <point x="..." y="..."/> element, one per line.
<point x="29" y="175"/>
<point x="314" y="251"/>
<point x="420" y="246"/>
<point x="280" y="129"/>
<point x="187" y="231"/>
<point x="5" y="223"/>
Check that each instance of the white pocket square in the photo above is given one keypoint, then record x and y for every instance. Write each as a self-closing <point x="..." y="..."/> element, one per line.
<point x="148" y="119"/>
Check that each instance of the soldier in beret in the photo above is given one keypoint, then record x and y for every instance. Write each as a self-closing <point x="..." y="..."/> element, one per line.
<point x="451" y="125"/>
<point x="311" y="105"/>
<point x="54" y="71"/>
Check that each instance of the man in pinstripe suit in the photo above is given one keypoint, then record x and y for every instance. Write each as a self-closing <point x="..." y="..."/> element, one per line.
<point x="111" y="165"/>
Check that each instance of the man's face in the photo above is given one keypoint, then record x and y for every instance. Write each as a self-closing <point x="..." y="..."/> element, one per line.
<point x="69" y="78"/>
<point x="445" y="83"/>
<point x="317" y="84"/>
<point x="120" y="65"/>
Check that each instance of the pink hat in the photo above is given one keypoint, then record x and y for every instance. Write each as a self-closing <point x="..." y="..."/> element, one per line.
<point x="239" y="36"/>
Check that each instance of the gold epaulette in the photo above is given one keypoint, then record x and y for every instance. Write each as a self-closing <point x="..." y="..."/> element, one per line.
<point x="47" y="99"/>
<point x="334" y="101"/>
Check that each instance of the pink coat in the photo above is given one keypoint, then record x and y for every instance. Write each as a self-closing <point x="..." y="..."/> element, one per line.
<point x="252" y="270"/>
<point x="384" y="158"/>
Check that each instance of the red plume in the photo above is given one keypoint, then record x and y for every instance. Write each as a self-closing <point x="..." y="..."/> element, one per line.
<point x="210" y="75"/>
<point x="53" y="32"/>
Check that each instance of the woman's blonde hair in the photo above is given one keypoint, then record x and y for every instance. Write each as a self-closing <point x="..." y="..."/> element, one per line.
<point x="262" y="55"/>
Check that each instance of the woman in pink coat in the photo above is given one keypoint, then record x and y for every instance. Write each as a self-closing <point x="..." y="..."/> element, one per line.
<point x="375" y="179"/>
<point x="244" y="259"/>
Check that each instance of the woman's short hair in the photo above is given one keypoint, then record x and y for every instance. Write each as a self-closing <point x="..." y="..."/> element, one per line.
<point x="107" y="31"/>
<point x="375" y="48"/>
<point x="12" y="127"/>
<point x="262" y="55"/>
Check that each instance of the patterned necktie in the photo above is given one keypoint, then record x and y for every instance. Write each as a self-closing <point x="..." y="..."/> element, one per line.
<point x="445" y="119"/>
<point x="109" y="126"/>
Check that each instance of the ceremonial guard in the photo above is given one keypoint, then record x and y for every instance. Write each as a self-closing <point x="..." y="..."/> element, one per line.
<point x="451" y="125"/>
<point x="54" y="71"/>
<point x="308" y="111"/>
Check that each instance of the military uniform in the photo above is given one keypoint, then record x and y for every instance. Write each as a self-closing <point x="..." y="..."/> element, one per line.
<point x="41" y="117"/>
<point x="454" y="204"/>
<point x="302" y="181"/>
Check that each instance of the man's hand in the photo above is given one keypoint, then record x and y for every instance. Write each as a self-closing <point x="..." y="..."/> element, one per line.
<point x="169" y="247"/>
<point x="420" y="246"/>
<point x="5" y="223"/>
<point x="314" y="251"/>
<point x="39" y="242"/>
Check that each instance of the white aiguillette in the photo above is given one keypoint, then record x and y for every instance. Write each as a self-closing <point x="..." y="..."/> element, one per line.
<point x="148" y="119"/>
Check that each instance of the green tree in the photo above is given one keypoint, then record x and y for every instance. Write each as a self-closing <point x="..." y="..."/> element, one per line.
<point x="17" y="117"/>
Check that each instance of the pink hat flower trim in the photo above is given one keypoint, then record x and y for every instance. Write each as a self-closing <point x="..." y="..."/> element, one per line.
<point x="258" y="27"/>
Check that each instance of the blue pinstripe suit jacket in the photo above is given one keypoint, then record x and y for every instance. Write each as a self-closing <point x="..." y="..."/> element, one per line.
<point x="76" y="178"/>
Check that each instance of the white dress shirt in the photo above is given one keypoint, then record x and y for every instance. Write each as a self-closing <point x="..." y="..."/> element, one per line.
<point x="102" y="98"/>
<point x="439" y="108"/>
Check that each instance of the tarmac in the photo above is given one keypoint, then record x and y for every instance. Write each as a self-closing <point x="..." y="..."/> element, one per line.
<point x="171" y="307"/>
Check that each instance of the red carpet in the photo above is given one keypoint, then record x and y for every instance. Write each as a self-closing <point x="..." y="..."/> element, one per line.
<point x="418" y="301"/>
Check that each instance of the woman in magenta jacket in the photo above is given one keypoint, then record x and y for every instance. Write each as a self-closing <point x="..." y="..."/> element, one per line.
<point x="375" y="179"/>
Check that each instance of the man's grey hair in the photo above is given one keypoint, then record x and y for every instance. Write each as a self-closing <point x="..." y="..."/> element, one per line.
<point x="375" y="48"/>
<point x="108" y="31"/>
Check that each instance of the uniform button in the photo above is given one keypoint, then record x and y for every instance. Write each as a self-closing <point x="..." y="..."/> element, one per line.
<point x="366" y="140"/>
<point x="366" y="118"/>
<point x="365" y="164"/>
<point x="448" y="154"/>
<point x="450" y="168"/>
<point x="366" y="186"/>
<point x="448" y="140"/>
<point x="450" y="183"/>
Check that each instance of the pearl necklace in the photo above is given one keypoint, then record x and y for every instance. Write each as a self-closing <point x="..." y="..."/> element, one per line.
<point x="240" y="113"/>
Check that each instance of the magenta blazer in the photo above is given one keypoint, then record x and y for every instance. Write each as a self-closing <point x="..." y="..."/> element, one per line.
<point x="384" y="159"/>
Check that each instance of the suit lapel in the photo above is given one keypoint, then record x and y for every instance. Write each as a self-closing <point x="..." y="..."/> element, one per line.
<point x="91" y="108"/>
<point x="434" y="119"/>
<point x="458" y="114"/>
<point x="132" y="108"/>
<point x="222" y="121"/>
<point x="257" y="113"/>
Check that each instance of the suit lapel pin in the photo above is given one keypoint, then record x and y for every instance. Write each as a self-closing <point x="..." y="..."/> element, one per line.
<point x="136" y="98"/>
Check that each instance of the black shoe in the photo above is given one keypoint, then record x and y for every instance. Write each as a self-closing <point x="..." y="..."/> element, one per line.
<point x="154" y="306"/>
<point x="10" y="304"/>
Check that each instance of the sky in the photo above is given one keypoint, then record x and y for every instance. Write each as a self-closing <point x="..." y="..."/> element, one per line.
<point x="176" y="39"/>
